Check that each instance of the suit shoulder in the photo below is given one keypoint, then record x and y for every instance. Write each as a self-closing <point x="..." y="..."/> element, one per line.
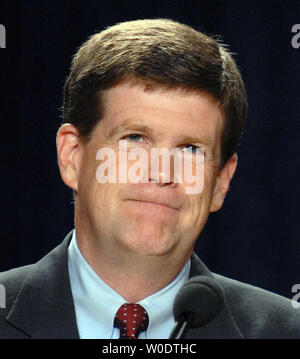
<point x="15" y="276"/>
<point x="11" y="282"/>
<point x="260" y="313"/>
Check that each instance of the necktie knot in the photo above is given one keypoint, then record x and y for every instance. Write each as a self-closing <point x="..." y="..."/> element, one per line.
<point x="131" y="319"/>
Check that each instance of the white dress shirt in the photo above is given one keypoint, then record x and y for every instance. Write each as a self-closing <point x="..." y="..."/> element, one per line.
<point x="96" y="303"/>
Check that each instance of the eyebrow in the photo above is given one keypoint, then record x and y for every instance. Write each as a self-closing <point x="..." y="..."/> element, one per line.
<point x="129" y="125"/>
<point x="201" y="140"/>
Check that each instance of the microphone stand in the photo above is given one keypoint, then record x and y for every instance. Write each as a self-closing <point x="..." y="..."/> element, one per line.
<point x="182" y="326"/>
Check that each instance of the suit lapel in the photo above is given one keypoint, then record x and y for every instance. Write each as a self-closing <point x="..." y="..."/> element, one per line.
<point x="224" y="325"/>
<point x="44" y="305"/>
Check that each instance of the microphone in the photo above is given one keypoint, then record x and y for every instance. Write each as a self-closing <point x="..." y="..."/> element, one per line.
<point x="196" y="304"/>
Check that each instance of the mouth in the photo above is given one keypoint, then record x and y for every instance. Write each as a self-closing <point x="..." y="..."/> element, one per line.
<point x="157" y="205"/>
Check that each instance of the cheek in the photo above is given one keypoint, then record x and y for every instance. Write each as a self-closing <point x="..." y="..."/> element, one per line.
<point x="199" y="183"/>
<point x="90" y="191"/>
<point x="210" y="177"/>
<point x="198" y="215"/>
<point x="200" y="203"/>
<point x="99" y="206"/>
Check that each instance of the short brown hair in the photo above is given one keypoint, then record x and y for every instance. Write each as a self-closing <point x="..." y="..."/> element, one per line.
<point x="162" y="53"/>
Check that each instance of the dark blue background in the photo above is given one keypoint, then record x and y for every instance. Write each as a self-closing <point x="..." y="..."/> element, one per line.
<point x="255" y="237"/>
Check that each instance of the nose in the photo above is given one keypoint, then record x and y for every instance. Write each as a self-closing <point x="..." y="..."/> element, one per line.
<point x="161" y="169"/>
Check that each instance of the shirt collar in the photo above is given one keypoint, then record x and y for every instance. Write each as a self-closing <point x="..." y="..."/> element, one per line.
<point x="159" y="306"/>
<point x="91" y="295"/>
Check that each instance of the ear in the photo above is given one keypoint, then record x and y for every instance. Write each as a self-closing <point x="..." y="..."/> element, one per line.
<point x="222" y="183"/>
<point x="67" y="143"/>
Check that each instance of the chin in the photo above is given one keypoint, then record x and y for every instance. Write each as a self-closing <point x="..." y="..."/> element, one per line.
<point x="151" y="244"/>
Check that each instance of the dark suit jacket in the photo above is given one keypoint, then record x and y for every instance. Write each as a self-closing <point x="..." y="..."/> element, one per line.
<point x="39" y="304"/>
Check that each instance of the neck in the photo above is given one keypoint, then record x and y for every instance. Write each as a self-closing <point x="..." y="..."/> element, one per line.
<point x="133" y="276"/>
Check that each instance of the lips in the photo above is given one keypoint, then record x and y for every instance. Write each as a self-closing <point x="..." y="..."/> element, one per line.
<point x="158" y="203"/>
<point x="157" y="196"/>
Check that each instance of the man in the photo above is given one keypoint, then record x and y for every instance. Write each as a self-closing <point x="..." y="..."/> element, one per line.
<point x="147" y="84"/>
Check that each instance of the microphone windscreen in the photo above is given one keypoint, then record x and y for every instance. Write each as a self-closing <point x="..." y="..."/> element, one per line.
<point x="202" y="296"/>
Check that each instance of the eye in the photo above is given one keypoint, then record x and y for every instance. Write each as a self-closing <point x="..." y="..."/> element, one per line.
<point x="190" y="148"/>
<point x="134" y="137"/>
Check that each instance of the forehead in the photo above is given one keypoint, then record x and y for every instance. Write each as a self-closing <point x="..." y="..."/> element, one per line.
<point x="173" y="112"/>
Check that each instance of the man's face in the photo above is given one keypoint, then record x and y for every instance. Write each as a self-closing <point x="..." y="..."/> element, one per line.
<point x="154" y="218"/>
